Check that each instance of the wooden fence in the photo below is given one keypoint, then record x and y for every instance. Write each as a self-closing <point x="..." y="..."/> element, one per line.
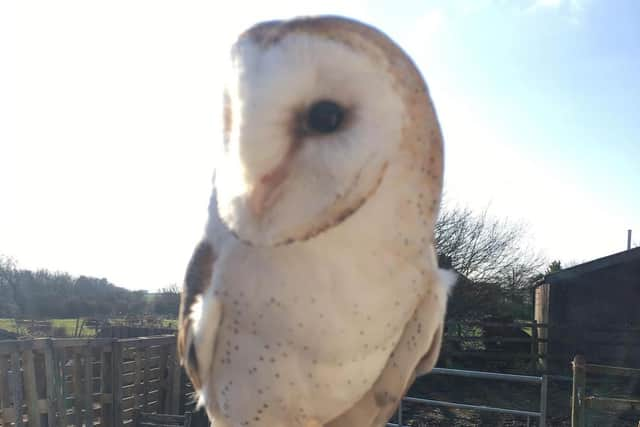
<point x="535" y="347"/>
<point x="79" y="381"/>
<point x="581" y="401"/>
<point x="505" y="346"/>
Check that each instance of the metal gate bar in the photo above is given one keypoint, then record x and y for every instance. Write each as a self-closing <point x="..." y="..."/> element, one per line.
<point x="542" y="381"/>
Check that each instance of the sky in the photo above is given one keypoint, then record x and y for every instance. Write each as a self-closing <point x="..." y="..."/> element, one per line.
<point x="109" y="115"/>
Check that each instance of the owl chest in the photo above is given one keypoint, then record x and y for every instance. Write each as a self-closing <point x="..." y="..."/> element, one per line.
<point x="305" y="297"/>
<point x="297" y="326"/>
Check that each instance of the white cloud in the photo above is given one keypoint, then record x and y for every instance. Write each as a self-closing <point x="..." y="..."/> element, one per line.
<point x="474" y="6"/>
<point x="572" y="6"/>
<point x="548" y="3"/>
<point x="573" y="10"/>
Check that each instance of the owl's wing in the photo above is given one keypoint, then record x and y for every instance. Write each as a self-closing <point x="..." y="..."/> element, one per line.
<point x="197" y="280"/>
<point x="416" y="354"/>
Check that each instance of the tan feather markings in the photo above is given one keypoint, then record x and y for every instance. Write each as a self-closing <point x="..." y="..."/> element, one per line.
<point x="197" y="279"/>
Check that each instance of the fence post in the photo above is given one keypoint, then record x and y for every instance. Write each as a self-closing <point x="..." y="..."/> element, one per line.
<point x="16" y="387"/>
<point x="176" y="381"/>
<point x="534" y="346"/>
<point x="116" y="381"/>
<point x="578" y="392"/>
<point x="138" y="383"/>
<point x="106" y="384"/>
<point x="543" y="400"/>
<point x="55" y="386"/>
<point x="165" y="378"/>
<point x="147" y="379"/>
<point x="4" y="382"/>
<point x="543" y="347"/>
<point x="77" y="385"/>
<point x="30" y="387"/>
<point x="88" y="386"/>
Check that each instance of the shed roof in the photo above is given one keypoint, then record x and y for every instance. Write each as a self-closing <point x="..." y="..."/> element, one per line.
<point x="629" y="257"/>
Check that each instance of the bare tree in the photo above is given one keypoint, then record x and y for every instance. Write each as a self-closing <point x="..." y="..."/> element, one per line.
<point x="495" y="261"/>
<point x="172" y="289"/>
<point x="484" y="248"/>
<point x="167" y="300"/>
<point x="8" y="306"/>
<point x="553" y="267"/>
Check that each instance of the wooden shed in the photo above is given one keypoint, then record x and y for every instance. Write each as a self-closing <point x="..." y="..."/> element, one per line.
<point x="592" y="309"/>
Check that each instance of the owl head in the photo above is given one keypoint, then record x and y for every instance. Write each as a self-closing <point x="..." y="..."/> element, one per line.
<point x="315" y="111"/>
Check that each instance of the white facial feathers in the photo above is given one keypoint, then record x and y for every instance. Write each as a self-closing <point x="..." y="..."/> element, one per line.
<point x="270" y="92"/>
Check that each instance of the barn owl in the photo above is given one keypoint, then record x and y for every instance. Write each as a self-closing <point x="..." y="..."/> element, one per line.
<point x="314" y="297"/>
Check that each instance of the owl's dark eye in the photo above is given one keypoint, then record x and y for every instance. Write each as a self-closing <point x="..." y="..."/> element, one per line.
<point x="325" y="117"/>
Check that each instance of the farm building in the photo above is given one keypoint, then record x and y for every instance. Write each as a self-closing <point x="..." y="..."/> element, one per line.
<point x="592" y="309"/>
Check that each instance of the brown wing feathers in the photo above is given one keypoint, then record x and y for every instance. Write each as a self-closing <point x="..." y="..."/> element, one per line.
<point x="197" y="279"/>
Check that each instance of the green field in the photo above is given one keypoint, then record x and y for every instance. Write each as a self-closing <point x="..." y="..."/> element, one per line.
<point x="68" y="326"/>
<point x="8" y="325"/>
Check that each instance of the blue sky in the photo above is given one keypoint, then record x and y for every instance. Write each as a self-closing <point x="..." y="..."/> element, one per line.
<point x="109" y="113"/>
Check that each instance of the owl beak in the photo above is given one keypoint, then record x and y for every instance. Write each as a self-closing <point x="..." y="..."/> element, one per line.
<point x="264" y="191"/>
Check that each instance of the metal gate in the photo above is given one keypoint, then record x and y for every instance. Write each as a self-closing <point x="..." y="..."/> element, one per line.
<point x="580" y="401"/>
<point x="540" y="415"/>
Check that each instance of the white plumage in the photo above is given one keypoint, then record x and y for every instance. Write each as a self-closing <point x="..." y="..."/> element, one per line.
<point x="314" y="297"/>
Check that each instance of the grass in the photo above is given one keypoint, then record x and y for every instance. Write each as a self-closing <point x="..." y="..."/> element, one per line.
<point x="66" y="325"/>
<point x="8" y="325"/>
<point x="170" y="323"/>
<point x="69" y="326"/>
